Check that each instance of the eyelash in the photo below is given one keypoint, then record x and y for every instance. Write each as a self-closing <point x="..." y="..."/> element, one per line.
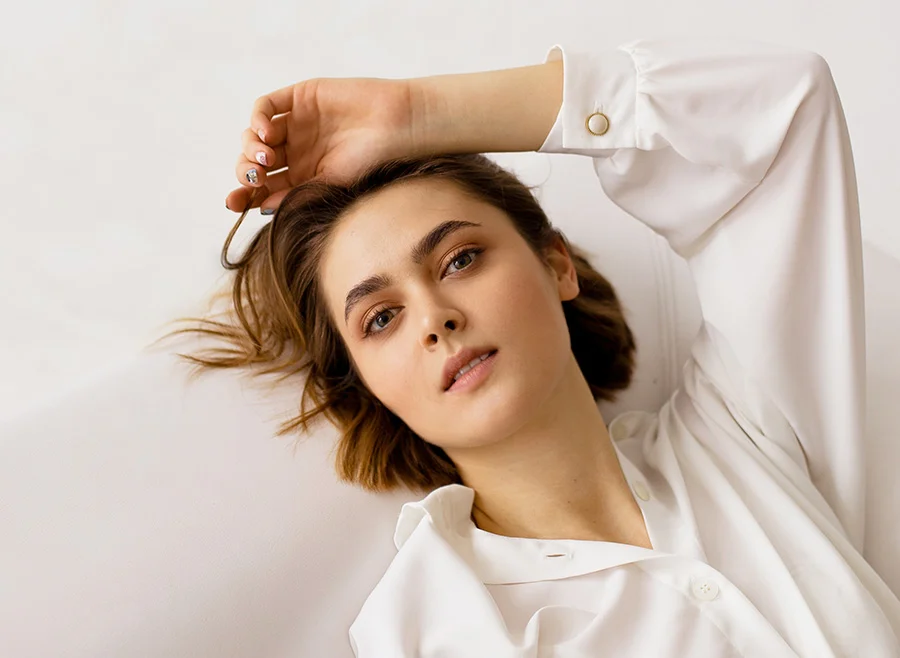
<point x="475" y="251"/>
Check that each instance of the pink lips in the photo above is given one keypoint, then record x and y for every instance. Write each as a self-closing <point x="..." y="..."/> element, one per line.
<point x="474" y="377"/>
<point x="462" y="357"/>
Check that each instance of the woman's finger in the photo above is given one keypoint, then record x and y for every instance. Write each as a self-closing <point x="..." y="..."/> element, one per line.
<point x="251" y="146"/>
<point x="237" y="200"/>
<point x="255" y="151"/>
<point x="276" y="135"/>
<point x="263" y="116"/>
<point x="276" y="184"/>
<point x="271" y="202"/>
<point x="251" y="174"/>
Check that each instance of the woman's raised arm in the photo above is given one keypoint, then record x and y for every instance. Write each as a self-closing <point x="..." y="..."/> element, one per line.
<point x="335" y="127"/>
<point x="737" y="152"/>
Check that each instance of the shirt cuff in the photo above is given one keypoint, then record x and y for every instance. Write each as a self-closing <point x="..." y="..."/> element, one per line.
<point x="604" y="82"/>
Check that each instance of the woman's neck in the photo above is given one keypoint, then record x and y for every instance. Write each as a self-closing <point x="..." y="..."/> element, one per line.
<point x="558" y="477"/>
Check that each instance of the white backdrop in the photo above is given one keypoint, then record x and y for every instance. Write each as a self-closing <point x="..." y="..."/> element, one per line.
<point x="120" y="126"/>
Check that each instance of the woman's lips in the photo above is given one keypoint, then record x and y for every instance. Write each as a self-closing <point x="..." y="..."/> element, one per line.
<point x="474" y="377"/>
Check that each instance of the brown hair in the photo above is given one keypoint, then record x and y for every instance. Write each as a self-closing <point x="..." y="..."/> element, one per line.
<point x="278" y="321"/>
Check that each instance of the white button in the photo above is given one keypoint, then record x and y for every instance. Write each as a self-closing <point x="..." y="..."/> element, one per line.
<point x="598" y="123"/>
<point x="625" y="424"/>
<point x="641" y="490"/>
<point x="617" y="431"/>
<point x="705" y="589"/>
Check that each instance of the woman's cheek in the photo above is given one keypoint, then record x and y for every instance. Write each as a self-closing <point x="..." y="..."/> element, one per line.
<point x="521" y="291"/>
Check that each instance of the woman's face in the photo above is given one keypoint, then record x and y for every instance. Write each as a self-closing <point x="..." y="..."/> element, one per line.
<point x="477" y="286"/>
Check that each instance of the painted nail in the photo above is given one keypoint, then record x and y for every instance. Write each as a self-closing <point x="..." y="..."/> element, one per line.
<point x="261" y="158"/>
<point x="262" y="134"/>
<point x="252" y="178"/>
<point x="267" y="211"/>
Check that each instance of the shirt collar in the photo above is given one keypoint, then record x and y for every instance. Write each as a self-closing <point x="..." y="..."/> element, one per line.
<point x="497" y="559"/>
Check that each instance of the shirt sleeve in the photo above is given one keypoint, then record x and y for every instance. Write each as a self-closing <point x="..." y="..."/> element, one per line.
<point x="737" y="153"/>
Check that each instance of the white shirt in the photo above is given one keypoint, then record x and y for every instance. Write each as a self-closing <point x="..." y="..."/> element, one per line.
<point x="751" y="477"/>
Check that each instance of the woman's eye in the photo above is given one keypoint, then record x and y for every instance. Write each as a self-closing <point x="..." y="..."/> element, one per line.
<point x="381" y="324"/>
<point x="379" y="321"/>
<point x="463" y="260"/>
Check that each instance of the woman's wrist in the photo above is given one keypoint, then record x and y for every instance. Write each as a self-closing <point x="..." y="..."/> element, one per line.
<point x="486" y="112"/>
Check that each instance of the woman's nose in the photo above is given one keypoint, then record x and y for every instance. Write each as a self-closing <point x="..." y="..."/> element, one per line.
<point x="440" y="323"/>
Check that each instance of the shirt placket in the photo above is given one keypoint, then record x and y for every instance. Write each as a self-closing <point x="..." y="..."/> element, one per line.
<point x="667" y="530"/>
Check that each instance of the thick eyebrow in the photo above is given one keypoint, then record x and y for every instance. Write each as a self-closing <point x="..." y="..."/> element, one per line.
<point x="417" y="255"/>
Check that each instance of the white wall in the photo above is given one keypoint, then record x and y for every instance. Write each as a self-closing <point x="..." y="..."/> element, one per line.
<point x="120" y="125"/>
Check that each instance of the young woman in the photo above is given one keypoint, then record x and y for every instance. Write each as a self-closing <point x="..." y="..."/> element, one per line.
<point x="460" y="345"/>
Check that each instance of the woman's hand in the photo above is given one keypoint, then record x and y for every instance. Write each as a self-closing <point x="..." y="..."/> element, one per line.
<point x="323" y="128"/>
<point x="335" y="128"/>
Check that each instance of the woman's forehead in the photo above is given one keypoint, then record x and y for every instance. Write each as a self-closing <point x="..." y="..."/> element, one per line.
<point x="412" y="200"/>
<point x="392" y="220"/>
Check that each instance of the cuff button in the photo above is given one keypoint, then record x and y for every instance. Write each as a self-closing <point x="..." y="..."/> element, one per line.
<point x="597" y="123"/>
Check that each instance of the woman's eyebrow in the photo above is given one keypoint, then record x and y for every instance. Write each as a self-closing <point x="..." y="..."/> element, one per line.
<point x="417" y="255"/>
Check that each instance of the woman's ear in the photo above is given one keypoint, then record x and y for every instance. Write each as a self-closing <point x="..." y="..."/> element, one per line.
<point x="563" y="269"/>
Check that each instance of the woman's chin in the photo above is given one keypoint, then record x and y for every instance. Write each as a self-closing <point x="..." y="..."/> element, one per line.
<point x="499" y="414"/>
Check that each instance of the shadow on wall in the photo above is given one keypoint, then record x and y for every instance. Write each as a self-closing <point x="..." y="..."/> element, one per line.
<point x="882" y="274"/>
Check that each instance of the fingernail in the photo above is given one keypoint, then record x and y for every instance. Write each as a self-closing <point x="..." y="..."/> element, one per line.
<point x="262" y="134"/>
<point x="252" y="178"/>
<point x="261" y="158"/>
<point x="267" y="211"/>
